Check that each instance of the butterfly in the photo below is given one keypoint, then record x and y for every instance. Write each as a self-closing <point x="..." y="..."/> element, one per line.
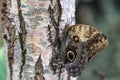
<point x="79" y="43"/>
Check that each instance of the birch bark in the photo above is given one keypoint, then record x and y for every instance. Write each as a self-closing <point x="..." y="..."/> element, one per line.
<point x="25" y="32"/>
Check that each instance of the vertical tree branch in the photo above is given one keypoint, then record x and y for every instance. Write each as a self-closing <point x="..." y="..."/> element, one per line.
<point x="27" y="38"/>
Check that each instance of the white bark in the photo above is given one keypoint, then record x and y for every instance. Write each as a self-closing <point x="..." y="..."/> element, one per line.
<point x="35" y="19"/>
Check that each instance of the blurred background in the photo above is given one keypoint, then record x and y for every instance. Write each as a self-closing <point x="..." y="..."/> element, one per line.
<point x="105" y="15"/>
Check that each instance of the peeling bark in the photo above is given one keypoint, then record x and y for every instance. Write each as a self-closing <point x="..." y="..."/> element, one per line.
<point x="39" y="70"/>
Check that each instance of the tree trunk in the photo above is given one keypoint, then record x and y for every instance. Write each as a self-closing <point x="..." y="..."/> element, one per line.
<point x="31" y="31"/>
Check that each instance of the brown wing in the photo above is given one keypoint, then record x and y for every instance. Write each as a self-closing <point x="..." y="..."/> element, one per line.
<point x="94" y="38"/>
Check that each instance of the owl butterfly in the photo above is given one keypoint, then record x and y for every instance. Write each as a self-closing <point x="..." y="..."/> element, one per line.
<point x="79" y="43"/>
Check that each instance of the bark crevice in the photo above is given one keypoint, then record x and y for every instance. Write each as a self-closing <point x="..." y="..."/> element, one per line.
<point x="55" y="12"/>
<point x="22" y="38"/>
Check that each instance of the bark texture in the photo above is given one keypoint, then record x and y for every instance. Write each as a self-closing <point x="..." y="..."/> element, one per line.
<point x="8" y="33"/>
<point x="29" y="28"/>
